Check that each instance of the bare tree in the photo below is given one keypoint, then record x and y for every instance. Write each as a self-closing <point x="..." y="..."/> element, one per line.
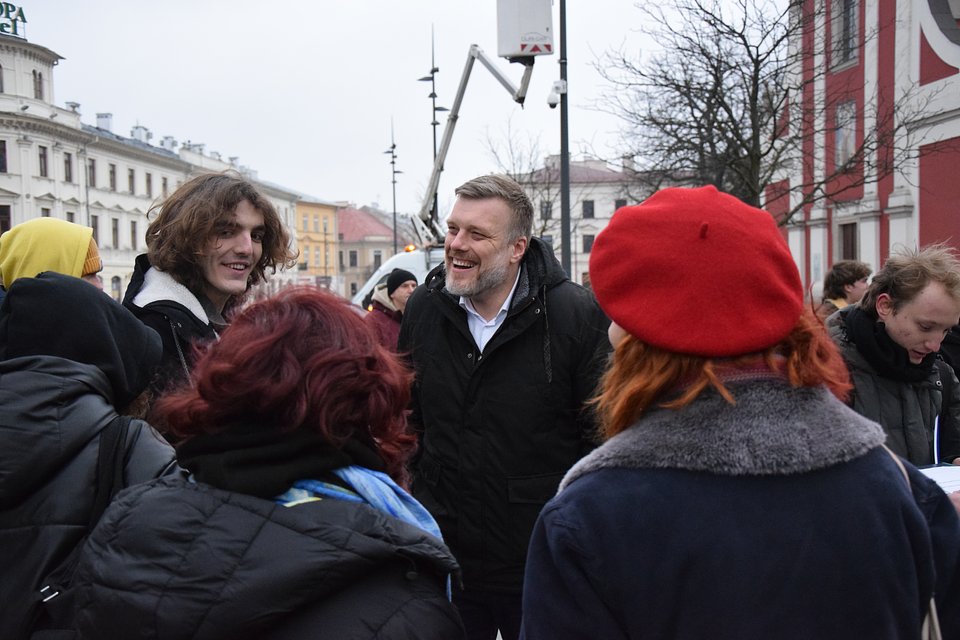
<point x="721" y="102"/>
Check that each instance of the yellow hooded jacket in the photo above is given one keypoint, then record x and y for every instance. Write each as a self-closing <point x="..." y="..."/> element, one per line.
<point x="43" y="244"/>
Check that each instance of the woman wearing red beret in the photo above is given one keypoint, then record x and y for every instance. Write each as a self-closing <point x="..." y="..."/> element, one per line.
<point x="735" y="495"/>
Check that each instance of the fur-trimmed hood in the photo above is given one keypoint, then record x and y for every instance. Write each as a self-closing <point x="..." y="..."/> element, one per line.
<point x="773" y="429"/>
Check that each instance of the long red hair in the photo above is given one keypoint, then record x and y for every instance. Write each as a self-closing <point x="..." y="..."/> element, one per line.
<point x="642" y="376"/>
<point x="303" y="359"/>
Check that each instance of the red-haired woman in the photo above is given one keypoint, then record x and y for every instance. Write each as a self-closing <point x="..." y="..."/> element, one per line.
<point x="293" y="522"/>
<point x="735" y="496"/>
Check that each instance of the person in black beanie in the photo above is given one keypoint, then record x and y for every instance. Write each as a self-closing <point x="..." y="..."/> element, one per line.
<point x="890" y="342"/>
<point x="389" y="300"/>
<point x="71" y="359"/>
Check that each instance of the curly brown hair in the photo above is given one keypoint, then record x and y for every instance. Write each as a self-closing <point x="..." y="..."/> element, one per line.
<point x="184" y="222"/>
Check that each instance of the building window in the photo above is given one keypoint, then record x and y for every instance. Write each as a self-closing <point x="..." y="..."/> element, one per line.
<point x="42" y="151"/>
<point x="843" y="31"/>
<point x="305" y="219"/>
<point x="316" y="256"/>
<point x="587" y="209"/>
<point x="4" y="217"/>
<point x="44" y="212"/>
<point x="340" y="261"/>
<point x="115" y="232"/>
<point x="546" y="209"/>
<point x="619" y="204"/>
<point x="164" y="187"/>
<point x="845" y="133"/>
<point x="377" y="259"/>
<point x="1" y="78"/>
<point x="316" y="223"/>
<point x="353" y="258"/>
<point x="134" y="237"/>
<point x="149" y="185"/>
<point x="68" y="167"/>
<point x="70" y="216"/>
<point x="3" y="156"/>
<point x="92" y="172"/>
<point x="132" y="181"/>
<point x="848" y="242"/>
<point x="353" y="288"/>
<point x="587" y="243"/>
<point x="116" y="287"/>
<point x="95" y="225"/>
<point x="113" y="177"/>
<point x="37" y="85"/>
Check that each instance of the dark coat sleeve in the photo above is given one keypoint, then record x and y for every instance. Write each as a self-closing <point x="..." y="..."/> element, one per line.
<point x="949" y="414"/>
<point x="559" y="596"/>
<point x="594" y="356"/>
<point x="149" y="456"/>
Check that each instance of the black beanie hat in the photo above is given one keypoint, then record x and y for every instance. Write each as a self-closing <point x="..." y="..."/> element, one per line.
<point x="398" y="277"/>
<point x="57" y="315"/>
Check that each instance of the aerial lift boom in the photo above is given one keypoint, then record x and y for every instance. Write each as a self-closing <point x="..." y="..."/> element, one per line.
<point x="428" y="229"/>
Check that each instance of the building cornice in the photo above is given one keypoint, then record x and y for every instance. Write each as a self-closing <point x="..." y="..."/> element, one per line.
<point x="35" y="51"/>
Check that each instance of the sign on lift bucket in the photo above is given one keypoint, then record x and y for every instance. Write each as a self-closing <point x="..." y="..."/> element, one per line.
<point x="524" y="28"/>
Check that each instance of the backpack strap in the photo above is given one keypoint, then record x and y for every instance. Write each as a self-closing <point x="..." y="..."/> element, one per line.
<point x="110" y="463"/>
<point x="111" y="457"/>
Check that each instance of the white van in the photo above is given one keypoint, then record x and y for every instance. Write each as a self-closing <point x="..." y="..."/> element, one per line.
<point x="419" y="262"/>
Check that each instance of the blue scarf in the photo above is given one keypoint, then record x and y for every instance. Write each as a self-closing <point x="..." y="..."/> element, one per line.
<point x="374" y="488"/>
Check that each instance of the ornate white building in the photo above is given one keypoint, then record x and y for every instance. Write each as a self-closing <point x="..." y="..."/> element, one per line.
<point x="52" y="164"/>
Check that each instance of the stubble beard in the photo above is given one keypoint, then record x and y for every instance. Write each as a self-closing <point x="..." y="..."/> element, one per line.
<point x="488" y="279"/>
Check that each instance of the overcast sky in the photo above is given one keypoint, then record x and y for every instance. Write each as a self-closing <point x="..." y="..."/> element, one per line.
<point x="303" y="91"/>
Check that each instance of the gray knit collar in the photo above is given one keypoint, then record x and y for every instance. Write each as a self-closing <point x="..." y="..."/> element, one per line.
<point x="774" y="429"/>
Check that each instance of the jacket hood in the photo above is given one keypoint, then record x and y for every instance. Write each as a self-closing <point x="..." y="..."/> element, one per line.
<point x="380" y="295"/>
<point x="43" y="244"/>
<point x="251" y="562"/>
<point x="65" y="317"/>
<point x="539" y="268"/>
<point x="152" y="287"/>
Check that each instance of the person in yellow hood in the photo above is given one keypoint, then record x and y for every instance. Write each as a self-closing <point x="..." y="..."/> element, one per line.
<point x="49" y="244"/>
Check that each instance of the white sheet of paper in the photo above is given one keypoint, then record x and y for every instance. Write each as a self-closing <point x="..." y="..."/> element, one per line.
<point x="948" y="477"/>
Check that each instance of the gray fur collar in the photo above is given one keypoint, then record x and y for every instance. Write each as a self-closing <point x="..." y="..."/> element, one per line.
<point x="774" y="429"/>
<point x="160" y="285"/>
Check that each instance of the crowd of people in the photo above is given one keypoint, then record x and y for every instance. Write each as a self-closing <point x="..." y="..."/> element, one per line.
<point x="496" y="451"/>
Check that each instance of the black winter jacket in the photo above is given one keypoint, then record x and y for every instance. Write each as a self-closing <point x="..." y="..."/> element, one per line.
<point x="176" y="559"/>
<point x="906" y="411"/>
<point x="52" y="411"/>
<point x="174" y="312"/>
<point x="500" y="428"/>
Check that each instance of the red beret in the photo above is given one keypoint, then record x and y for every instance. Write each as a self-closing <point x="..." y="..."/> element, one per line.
<point x="698" y="272"/>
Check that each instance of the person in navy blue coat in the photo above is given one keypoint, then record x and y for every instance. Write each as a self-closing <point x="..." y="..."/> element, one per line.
<point x="735" y="495"/>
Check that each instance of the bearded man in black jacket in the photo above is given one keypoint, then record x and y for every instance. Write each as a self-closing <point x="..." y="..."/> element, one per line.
<point x="507" y="351"/>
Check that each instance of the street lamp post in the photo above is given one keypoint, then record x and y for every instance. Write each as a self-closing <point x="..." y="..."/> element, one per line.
<point x="393" y="179"/>
<point x="434" y="110"/>
<point x="564" y="149"/>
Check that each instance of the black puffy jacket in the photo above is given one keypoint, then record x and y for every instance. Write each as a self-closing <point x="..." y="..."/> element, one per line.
<point x="52" y="411"/>
<point x="501" y="427"/>
<point x="177" y="559"/>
